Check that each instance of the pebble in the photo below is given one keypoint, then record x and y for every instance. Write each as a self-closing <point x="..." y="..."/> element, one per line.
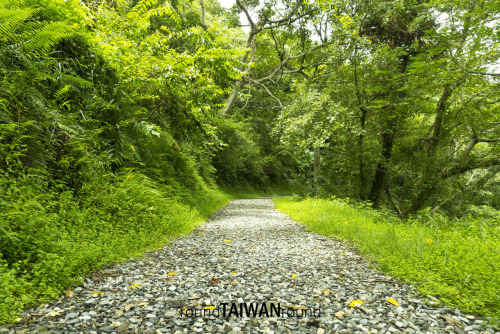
<point x="248" y="252"/>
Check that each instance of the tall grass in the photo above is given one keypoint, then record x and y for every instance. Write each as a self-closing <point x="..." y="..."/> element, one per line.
<point x="456" y="261"/>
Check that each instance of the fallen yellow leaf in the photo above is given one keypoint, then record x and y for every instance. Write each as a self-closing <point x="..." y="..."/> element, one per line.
<point x="228" y="241"/>
<point x="252" y="250"/>
<point x="96" y="292"/>
<point x="234" y="273"/>
<point x="200" y="232"/>
<point x="294" y="275"/>
<point x="392" y="301"/>
<point x="327" y="290"/>
<point x="172" y="273"/>
<point x="356" y="303"/>
<point x="134" y="285"/>
<point x="211" y="307"/>
<point x="343" y="254"/>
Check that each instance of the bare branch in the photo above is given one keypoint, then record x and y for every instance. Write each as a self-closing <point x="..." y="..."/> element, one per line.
<point x="473" y="72"/>
<point x="266" y="89"/>
<point x="297" y="70"/>
<point x="244" y="8"/>
<point x="288" y="20"/>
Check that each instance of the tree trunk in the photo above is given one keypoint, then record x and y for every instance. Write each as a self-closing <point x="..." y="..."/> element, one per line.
<point x="317" y="170"/>
<point x="232" y="97"/>
<point x="382" y="166"/>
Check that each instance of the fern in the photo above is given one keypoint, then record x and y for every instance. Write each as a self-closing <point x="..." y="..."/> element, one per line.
<point x="11" y="21"/>
<point x="35" y="37"/>
<point x="43" y="40"/>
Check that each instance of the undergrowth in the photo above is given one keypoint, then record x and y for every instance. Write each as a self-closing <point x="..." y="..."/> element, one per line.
<point x="457" y="261"/>
<point x="51" y="237"/>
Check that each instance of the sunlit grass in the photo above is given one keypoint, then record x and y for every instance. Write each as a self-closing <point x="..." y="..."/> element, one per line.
<point x="458" y="262"/>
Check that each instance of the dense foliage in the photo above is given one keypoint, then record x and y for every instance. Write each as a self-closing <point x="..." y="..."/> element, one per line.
<point x="106" y="136"/>
<point x="121" y="119"/>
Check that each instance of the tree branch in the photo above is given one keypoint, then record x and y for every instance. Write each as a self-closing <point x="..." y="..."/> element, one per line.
<point x="266" y="89"/>
<point x="393" y="201"/>
<point x="473" y="72"/>
<point x="203" y="24"/>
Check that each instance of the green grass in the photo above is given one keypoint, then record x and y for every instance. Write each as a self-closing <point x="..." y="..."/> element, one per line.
<point x="51" y="238"/>
<point x="456" y="261"/>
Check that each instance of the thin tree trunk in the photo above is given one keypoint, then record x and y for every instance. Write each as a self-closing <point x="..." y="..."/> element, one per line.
<point x="361" y="180"/>
<point x="317" y="170"/>
<point x="382" y="166"/>
<point x="430" y="181"/>
<point x="234" y="93"/>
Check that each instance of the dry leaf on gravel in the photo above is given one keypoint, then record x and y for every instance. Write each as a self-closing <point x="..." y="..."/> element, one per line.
<point x="356" y="303"/>
<point x="392" y="301"/>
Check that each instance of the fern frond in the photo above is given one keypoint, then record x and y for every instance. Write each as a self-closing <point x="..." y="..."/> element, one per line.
<point x="62" y="91"/>
<point x="11" y="21"/>
<point x="75" y="81"/>
<point x="49" y="36"/>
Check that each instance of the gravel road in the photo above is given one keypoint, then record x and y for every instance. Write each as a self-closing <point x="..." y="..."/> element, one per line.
<point x="249" y="269"/>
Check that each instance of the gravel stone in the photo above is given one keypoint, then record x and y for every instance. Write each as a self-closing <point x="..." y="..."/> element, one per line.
<point x="247" y="253"/>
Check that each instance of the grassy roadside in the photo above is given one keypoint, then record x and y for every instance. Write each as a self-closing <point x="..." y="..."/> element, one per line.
<point x="455" y="261"/>
<point x="51" y="238"/>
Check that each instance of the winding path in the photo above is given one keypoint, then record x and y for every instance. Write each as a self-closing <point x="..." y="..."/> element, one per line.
<point x="249" y="259"/>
